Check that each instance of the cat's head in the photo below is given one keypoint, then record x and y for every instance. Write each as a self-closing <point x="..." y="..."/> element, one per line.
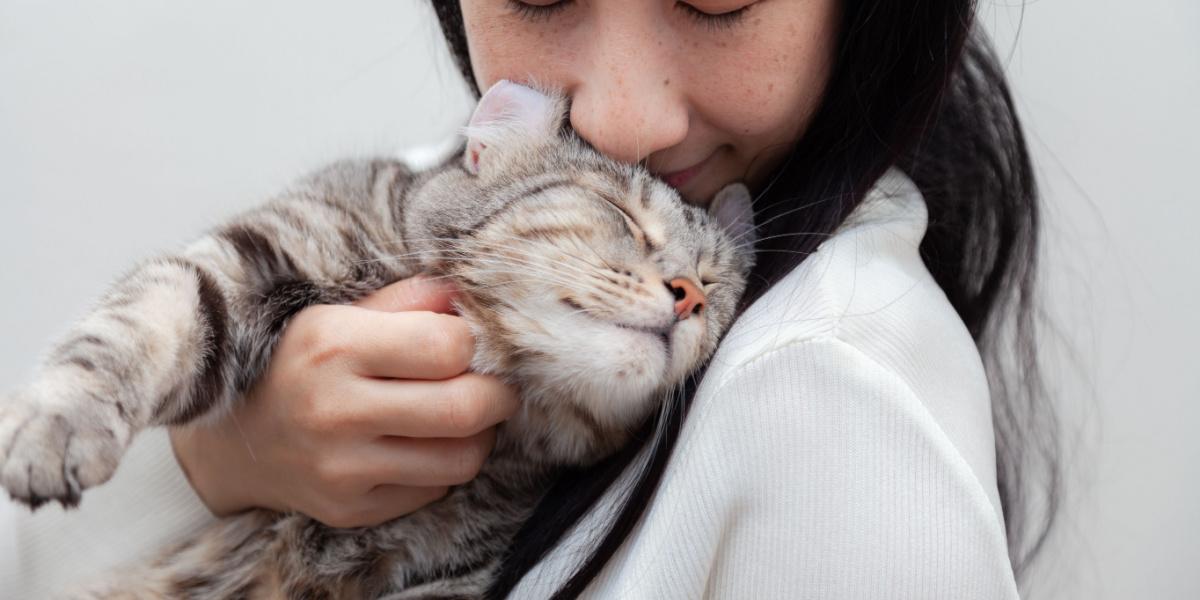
<point x="587" y="280"/>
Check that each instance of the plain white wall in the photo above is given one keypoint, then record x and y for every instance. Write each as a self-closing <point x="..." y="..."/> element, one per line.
<point x="1110" y="93"/>
<point x="128" y="127"/>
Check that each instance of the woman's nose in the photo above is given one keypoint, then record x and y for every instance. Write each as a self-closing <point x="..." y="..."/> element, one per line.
<point x="628" y="121"/>
<point x="625" y="103"/>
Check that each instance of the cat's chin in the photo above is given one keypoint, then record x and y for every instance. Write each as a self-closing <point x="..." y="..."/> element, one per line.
<point x="619" y="375"/>
<point x="587" y="370"/>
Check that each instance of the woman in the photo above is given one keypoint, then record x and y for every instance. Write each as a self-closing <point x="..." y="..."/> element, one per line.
<point x="843" y="442"/>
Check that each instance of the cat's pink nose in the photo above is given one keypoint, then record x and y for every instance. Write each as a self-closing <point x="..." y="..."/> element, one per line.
<point x="689" y="300"/>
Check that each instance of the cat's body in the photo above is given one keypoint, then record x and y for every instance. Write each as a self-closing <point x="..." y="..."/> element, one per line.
<point x="586" y="282"/>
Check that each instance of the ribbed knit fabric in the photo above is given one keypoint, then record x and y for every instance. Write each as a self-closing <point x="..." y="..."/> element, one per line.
<point x="840" y="446"/>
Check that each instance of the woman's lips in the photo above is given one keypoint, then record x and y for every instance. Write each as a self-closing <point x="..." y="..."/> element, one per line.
<point x="680" y="178"/>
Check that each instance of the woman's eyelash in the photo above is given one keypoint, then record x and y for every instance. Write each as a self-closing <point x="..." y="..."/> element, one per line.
<point x="540" y="12"/>
<point x="719" y="21"/>
<point x="537" y="12"/>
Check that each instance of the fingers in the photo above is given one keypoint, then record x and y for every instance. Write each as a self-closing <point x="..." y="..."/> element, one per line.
<point x="414" y="293"/>
<point x="420" y="462"/>
<point x="455" y="408"/>
<point x="344" y="382"/>
<point x="414" y="345"/>
<point x="391" y="477"/>
<point x="401" y="345"/>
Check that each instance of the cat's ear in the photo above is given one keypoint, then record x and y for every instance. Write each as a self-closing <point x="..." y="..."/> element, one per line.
<point x="508" y="115"/>
<point x="732" y="208"/>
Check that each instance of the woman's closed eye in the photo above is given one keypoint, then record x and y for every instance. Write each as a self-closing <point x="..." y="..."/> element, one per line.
<point x="715" y="15"/>
<point x="538" y="11"/>
<point x="712" y="14"/>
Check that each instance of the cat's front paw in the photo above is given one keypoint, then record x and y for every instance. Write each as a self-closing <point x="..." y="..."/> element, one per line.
<point x="54" y="446"/>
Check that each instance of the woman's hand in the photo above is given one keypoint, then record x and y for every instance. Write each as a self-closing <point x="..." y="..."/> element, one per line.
<point x="364" y="414"/>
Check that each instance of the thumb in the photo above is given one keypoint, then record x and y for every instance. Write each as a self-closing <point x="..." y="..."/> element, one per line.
<point x="415" y="293"/>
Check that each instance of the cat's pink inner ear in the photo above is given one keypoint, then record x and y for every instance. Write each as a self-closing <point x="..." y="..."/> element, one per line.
<point x="508" y="111"/>
<point x="511" y="103"/>
<point x="475" y="150"/>
<point x="733" y="208"/>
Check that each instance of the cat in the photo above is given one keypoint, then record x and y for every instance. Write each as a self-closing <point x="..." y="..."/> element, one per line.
<point x="587" y="283"/>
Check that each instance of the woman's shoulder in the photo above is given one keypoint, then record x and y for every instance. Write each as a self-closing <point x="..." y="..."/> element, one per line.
<point x="867" y="278"/>
<point x="810" y="471"/>
<point x="866" y="298"/>
<point x="814" y="471"/>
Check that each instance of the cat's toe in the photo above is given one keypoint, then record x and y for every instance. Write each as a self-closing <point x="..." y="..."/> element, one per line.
<point x="47" y="453"/>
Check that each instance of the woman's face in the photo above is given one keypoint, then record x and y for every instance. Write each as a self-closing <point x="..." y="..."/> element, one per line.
<point x="707" y="92"/>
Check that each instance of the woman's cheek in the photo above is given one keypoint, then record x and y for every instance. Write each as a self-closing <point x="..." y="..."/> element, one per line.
<point x="762" y="87"/>
<point x="747" y="105"/>
<point x="775" y="79"/>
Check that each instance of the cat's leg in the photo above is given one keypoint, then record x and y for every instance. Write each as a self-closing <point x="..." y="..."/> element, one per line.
<point x="186" y="334"/>
<point x="153" y="351"/>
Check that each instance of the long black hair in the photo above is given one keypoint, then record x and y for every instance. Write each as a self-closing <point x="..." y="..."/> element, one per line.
<point x="914" y="85"/>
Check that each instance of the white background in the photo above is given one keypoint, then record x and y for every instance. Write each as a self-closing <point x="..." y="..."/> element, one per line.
<point x="128" y="127"/>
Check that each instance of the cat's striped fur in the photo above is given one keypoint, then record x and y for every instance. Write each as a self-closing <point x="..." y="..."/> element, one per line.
<point x="563" y="258"/>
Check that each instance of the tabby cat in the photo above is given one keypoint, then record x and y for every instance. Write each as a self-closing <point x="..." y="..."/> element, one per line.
<point x="588" y="284"/>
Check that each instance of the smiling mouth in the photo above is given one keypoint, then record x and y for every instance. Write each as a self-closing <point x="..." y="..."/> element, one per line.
<point x="678" y="179"/>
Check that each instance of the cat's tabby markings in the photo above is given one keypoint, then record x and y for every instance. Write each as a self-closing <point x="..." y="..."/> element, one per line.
<point x="587" y="283"/>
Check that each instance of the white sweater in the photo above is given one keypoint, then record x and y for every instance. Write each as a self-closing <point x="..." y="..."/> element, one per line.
<point x="840" y="446"/>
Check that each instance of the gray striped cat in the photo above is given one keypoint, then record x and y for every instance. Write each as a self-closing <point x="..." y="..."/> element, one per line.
<point x="587" y="283"/>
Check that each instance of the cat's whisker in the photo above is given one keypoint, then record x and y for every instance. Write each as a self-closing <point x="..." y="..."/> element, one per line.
<point x="581" y="243"/>
<point x="795" y="234"/>
<point x="496" y="259"/>
<point x="779" y="171"/>
<point x="782" y="251"/>
<point x="529" y="275"/>
<point x="792" y="210"/>
<point x="596" y="254"/>
<point x="534" y="267"/>
<point x="532" y="276"/>
<point x="761" y="210"/>
<point x="570" y="256"/>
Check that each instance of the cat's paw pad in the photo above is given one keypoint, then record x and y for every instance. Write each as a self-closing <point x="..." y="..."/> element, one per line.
<point x="51" y="449"/>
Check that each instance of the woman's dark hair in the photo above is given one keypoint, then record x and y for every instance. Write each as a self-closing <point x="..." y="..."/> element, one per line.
<point x="914" y="85"/>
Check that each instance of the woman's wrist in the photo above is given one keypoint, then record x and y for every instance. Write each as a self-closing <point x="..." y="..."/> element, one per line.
<point x="198" y="454"/>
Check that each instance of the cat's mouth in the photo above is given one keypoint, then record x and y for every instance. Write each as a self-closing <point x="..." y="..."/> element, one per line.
<point x="659" y="332"/>
<point x="662" y="333"/>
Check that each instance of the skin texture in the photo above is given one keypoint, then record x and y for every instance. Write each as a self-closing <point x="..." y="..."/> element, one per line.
<point x="650" y="80"/>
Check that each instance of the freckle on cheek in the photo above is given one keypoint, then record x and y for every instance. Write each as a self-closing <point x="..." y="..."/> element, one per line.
<point x="666" y="82"/>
